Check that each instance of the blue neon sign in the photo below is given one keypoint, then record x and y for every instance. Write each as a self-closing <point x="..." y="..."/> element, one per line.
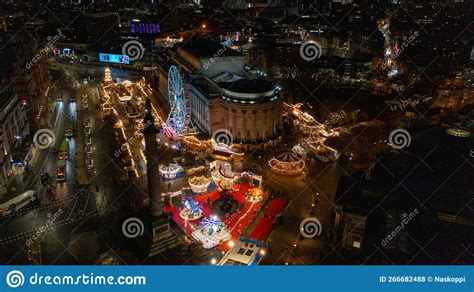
<point x="111" y="58"/>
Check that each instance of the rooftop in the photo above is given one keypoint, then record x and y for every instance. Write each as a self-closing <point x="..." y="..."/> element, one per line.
<point x="5" y="98"/>
<point x="202" y="48"/>
<point x="404" y="179"/>
<point x="247" y="86"/>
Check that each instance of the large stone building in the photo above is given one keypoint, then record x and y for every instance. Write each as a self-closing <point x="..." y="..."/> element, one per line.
<point x="13" y="131"/>
<point x="225" y="97"/>
<point x="25" y="71"/>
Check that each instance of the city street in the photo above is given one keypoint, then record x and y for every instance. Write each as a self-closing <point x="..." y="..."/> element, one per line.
<point x="75" y="206"/>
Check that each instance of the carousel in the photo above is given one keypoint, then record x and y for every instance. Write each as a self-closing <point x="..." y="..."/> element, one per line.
<point x="190" y="211"/>
<point x="199" y="184"/>
<point x="254" y="195"/>
<point x="287" y="163"/>
<point x="460" y="133"/>
<point x="170" y="170"/>
<point x="211" y="232"/>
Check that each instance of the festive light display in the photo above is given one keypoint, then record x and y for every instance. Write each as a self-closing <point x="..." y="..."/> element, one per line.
<point x="458" y="133"/>
<point x="404" y="103"/>
<point x="222" y="174"/>
<point x="254" y="195"/>
<point x="170" y="170"/>
<point x="190" y="211"/>
<point x="211" y="232"/>
<point x="287" y="163"/>
<point x="316" y="132"/>
<point x="107" y="75"/>
<point x="179" y="120"/>
<point x="199" y="184"/>
<point x="336" y="118"/>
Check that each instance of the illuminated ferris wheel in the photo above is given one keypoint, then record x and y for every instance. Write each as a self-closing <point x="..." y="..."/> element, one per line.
<point x="177" y="118"/>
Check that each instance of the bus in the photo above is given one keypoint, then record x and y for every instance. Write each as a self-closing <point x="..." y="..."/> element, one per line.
<point x="69" y="130"/>
<point x="64" y="150"/>
<point x="15" y="204"/>
<point x="61" y="171"/>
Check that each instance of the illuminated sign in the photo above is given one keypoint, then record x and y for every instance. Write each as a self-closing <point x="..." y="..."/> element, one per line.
<point x="110" y="58"/>
<point x="145" y="28"/>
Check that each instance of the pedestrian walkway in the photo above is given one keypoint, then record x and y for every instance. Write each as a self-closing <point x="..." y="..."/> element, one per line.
<point x="35" y="162"/>
<point x="265" y="224"/>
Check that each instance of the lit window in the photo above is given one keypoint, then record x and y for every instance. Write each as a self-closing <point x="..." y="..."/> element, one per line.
<point x="356" y="243"/>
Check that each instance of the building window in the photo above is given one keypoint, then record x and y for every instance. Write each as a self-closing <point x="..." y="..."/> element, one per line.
<point x="356" y="242"/>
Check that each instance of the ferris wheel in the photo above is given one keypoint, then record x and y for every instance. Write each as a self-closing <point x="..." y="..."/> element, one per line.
<point x="177" y="118"/>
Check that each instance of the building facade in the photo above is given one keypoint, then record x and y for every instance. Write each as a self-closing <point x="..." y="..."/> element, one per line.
<point x="25" y="72"/>
<point x="13" y="131"/>
<point x="225" y="97"/>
